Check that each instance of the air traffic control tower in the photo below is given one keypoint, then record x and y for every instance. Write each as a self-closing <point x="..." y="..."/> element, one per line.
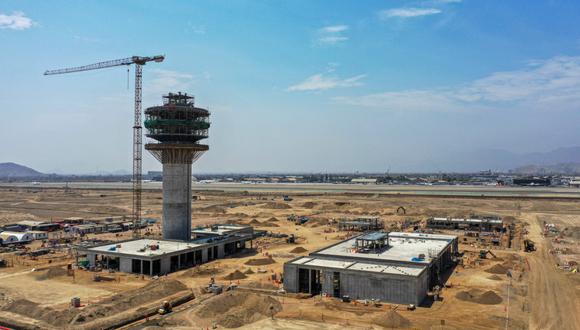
<point x="177" y="127"/>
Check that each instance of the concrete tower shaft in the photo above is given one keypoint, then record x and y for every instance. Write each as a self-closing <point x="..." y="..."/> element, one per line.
<point x="177" y="126"/>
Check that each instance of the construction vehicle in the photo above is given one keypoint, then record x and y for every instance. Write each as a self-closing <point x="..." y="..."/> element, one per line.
<point x="165" y="308"/>
<point x="291" y="239"/>
<point x="483" y="254"/>
<point x="529" y="245"/>
<point x="139" y="62"/>
<point x="287" y="198"/>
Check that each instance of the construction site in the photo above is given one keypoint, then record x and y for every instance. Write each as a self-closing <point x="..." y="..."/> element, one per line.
<point x="247" y="289"/>
<point x="184" y="257"/>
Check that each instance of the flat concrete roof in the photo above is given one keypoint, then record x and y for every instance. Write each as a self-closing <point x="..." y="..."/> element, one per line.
<point x="402" y="247"/>
<point x="136" y="247"/>
<point x="361" y="266"/>
<point x="219" y="229"/>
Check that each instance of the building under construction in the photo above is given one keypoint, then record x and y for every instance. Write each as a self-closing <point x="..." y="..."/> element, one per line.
<point x="392" y="267"/>
<point x="177" y="127"/>
<point x="487" y="224"/>
<point x="157" y="257"/>
<point x="360" y="224"/>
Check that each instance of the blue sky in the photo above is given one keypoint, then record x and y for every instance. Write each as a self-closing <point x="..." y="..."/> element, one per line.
<point x="319" y="86"/>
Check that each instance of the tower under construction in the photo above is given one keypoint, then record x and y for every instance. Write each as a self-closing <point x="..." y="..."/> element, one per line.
<point x="177" y="127"/>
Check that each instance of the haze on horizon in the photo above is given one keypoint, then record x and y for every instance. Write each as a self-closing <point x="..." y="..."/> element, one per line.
<point x="297" y="86"/>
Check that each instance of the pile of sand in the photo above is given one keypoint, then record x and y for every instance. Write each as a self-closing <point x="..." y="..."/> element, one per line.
<point x="262" y="285"/>
<point x="260" y="262"/>
<point x="276" y="206"/>
<point x="497" y="269"/>
<point x="494" y="278"/>
<point x="249" y="271"/>
<point x="573" y="232"/>
<point x="237" y="275"/>
<point x="213" y="208"/>
<point x="391" y="319"/>
<point x="235" y="309"/>
<point x="309" y="205"/>
<point x="50" y="273"/>
<point x="298" y="249"/>
<point x="201" y="271"/>
<point x="273" y="219"/>
<point x="254" y="222"/>
<point x="153" y="291"/>
<point x="268" y="224"/>
<point x="477" y="296"/>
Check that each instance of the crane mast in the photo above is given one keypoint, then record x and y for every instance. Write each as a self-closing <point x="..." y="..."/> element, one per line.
<point x="139" y="61"/>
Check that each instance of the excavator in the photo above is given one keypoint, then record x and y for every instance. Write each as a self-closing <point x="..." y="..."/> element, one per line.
<point x="483" y="254"/>
<point x="529" y="245"/>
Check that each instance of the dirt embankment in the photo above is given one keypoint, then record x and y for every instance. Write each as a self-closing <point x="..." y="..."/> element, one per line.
<point x="235" y="309"/>
<point x="260" y="262"/>
<point x="108" y="307"/>
<point x="479" y="297"/>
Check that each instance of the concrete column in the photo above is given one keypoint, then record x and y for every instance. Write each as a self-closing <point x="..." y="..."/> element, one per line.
<point x="177" y="201"/>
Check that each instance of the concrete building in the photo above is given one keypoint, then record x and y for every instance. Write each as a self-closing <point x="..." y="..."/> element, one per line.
<point x="177" y="127"/>
<point x="157" y="257"/>
<point x="392" y="267"/>
<point x="470" y="224"/>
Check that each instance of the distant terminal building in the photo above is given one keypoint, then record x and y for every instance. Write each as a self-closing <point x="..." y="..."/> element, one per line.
<point x="392" y="267"/>
<point x="470" y="224"/>
<point x="360" y="224"/>
<point x="532" y="181"/>
<point x="157" y="257"/>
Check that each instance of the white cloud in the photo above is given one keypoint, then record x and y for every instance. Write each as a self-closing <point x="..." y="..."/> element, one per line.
<point x="332" y="35"/>
<point x="165" y="81"/>
<point x="322" y="81"/>
<point x="548" y="84"/>
<point x="408" y="12"/>
<point x="16" y="21"/>
<point x="334" y="28"/>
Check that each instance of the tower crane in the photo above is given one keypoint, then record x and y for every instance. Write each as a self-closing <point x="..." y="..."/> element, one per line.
<point x="139" y="61"/>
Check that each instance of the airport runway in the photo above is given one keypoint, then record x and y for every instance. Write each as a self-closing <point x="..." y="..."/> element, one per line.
<point x="319" y="188"/>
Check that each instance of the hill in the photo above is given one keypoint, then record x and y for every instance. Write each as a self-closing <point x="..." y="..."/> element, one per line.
<point x="12" y="170"/>
<point x="561" y="168"/>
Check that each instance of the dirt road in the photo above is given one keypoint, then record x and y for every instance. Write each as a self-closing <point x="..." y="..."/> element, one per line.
<point x="552" y="296"/>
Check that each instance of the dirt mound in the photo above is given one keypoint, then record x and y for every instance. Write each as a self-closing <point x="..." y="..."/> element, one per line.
<point x="104" y="308"/>
<point x="392" y="319"/>
<point x="153" y="291"/>
<point x="249" y="271"/>
<point x="33" y="310"/>
<point x="573" y="232"/>
<point x="497" y="269"/>
<point x="201" y="271"/>
<point x="212" y="208"/>
<point x="273" y="219"/>
<point x="237" y="275"/>
<point x="235" y="309"/>
<point x="476" y="296"/>
<point x="254" y="222"/>
<point x="268" y="224"/>
<point x="50" y="273"/>
<point x="494" y="278"/>
<point x="309" y="205"/>
<point x="276" y="206"/>
<point x="260" y="262"/>
<point x="262" y="285"/>
<point x="298" y="250"/>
